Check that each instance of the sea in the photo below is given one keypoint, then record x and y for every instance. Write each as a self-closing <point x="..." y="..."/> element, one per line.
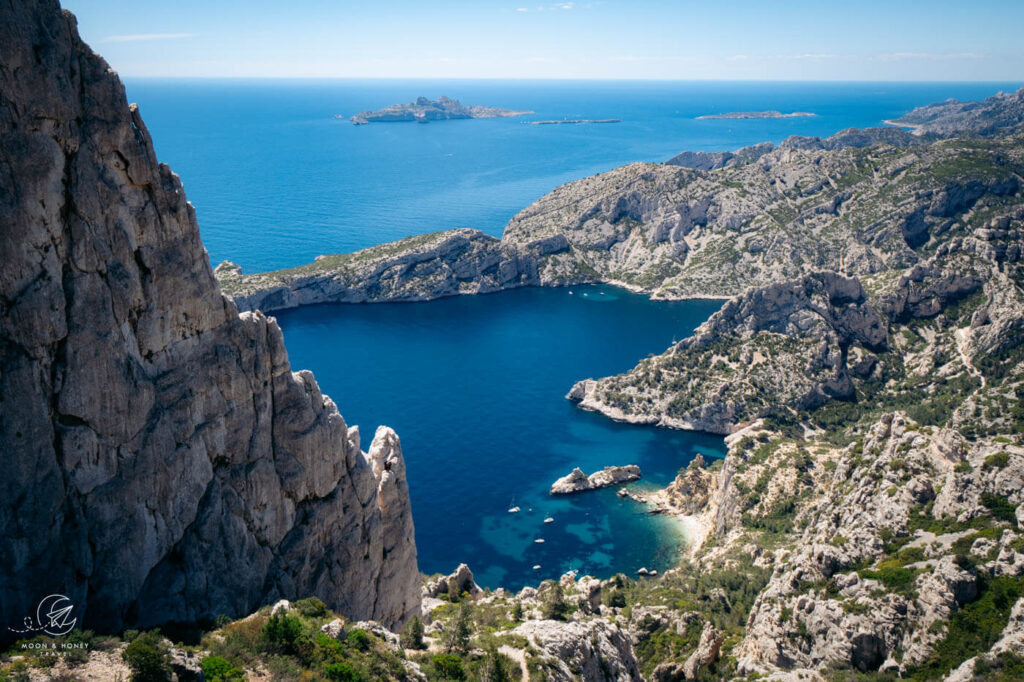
<point x="475" y="386"/>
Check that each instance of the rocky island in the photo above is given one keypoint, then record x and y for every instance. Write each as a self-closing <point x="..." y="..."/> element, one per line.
<point x="575" y="121"/>
<point x="577" y="481"/>
<point x="744" y="115"/>
<point x="424" y="110"/>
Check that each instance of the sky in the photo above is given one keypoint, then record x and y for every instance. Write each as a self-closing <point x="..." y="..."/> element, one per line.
<point x="941" y="40"/>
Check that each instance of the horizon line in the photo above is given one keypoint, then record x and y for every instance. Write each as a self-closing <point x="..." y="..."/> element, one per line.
<point x="577" y="78"/>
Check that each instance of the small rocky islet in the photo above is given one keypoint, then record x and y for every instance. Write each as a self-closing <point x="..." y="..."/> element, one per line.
<point x="755" y="115"/>
<point x="867" y="368"/>
<point x="576" y="481"/>
<point x="424" y="110"/>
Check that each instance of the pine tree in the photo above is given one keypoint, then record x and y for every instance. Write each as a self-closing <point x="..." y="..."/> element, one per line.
<point x="555" y="607"/>
<point x="498" y="668"/>
<point x="412" y="637"/>
<point x="458" y="633"/>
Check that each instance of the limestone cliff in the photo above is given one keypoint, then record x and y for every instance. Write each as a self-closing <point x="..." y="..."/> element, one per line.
<point x="160" y="460"/>
<point x="798" y="345"/>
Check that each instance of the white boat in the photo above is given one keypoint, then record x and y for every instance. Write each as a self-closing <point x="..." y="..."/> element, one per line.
<point x="536" y="567"/>
<point x="549" y="520"/>
<point x="539" y="541"/>
<point x="513" y="510"/>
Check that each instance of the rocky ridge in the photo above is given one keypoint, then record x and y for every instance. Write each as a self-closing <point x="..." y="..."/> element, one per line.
<point x="162" y="461"/>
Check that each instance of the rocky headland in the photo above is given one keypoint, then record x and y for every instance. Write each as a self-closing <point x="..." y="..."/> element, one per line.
<point x="424" y="110"/>
<point x="992" y="116"/>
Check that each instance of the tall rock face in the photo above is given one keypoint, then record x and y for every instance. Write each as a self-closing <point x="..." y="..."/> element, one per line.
<point x="160" y="460"/>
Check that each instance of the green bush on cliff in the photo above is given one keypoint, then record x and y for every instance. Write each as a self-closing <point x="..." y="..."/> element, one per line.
<point x="999" y="507"/>
<point x="555" y="606"/>
<point x="974" y="628"/>
<point x="448" y="667"/>
<point x="342" y="672"/>
<point x="218" y="669"/>
<point x="148" y="657"/>
<point x="311" y="607"/>
<point x="412" y="636"/>
<point x="283" y="634"/>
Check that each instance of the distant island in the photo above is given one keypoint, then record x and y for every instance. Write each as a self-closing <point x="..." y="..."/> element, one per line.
<point x="739" y="115"/>
<point x="572" y="121"/>
<point x="424" y="110"/>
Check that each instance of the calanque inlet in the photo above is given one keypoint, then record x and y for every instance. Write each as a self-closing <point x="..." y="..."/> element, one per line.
<point x="164" y="467"/>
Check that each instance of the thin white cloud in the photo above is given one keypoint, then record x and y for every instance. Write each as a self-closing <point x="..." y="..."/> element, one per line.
<point x="522" y="9"/>
<point x="141" y="37"/>
<point x="928" y="56"/>
<point x="562" y="5"/>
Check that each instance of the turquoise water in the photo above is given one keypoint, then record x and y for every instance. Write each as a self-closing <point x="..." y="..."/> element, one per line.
<point x="277" y="180"/>
<point x="475" y="386"/>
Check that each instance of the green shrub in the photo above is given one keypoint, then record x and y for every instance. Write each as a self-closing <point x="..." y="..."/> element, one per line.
<point x="412" y="637"/>
<point x="449" y="666"/>
<point x="498" y="667"/>
<point x="311" y="607"/>
<point x="996" y="461"/>
<point x="284" y="634"/>
<point x="1000" y="507"/>
<point x="218" y="669"/>
<point x="616" y="598"/>
<point x="148" y="658"/>
<point x="342" y="672"/>
<point x="359" y="640"/>
<point x="555" y="606"/>
<point x="975" y="627"/>
<point x="458" y="633"/>
<point x="891" y="574"/>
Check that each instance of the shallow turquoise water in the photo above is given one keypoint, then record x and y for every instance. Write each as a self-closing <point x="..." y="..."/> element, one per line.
<point x="475" y="388"/>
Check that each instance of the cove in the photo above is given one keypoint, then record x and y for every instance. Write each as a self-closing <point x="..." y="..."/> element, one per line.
<point x="475" y="387"/>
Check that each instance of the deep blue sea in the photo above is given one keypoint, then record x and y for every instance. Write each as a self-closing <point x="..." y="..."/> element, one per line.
<point x="475" y="385"/>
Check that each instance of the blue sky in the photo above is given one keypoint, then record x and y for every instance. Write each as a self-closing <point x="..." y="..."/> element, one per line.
<point x="646" y="39"/>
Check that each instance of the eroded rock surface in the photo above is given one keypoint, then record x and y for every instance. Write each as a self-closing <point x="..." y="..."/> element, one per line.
<point x="161" y="460"/>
